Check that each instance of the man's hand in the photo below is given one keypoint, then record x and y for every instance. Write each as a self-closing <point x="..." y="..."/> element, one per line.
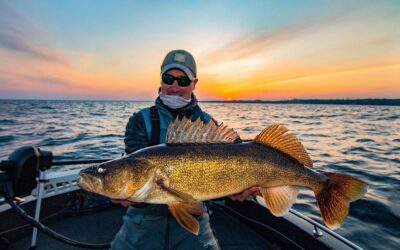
<point x="127" y="203"/>
<point x="247" y="194"/>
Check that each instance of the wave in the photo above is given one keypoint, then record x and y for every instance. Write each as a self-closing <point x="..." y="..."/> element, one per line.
<point x="364" y="140"/>
<point x="5" y="140"/>
<point x="7" y="122"/>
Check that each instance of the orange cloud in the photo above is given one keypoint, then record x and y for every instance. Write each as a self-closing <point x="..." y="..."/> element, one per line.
<point x="378" y="81"/>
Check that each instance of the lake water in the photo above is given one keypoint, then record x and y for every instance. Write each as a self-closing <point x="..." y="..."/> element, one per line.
<point x="363" y="141"/>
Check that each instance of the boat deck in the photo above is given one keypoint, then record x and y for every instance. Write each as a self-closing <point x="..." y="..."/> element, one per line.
<point x="101" y="227"/>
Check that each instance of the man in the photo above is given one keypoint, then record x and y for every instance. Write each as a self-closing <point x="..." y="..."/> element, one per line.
<point x="151" y="226"/>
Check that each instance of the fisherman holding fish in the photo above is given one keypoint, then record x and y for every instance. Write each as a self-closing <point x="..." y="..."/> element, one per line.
<point x="199" y="160"/>
<point x="150" y="226"/>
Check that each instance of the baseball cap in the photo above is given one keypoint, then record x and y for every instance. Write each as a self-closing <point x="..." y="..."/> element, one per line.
<point x="180" y="59"/>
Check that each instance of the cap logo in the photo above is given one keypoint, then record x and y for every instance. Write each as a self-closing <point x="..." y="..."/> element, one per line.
<point x="180" y="58"/>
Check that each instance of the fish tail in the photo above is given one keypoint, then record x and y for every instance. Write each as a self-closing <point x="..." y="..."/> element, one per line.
<point x="335" y="196"/>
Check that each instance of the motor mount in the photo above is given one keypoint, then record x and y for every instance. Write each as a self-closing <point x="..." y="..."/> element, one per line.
<point x="22" y="166"/>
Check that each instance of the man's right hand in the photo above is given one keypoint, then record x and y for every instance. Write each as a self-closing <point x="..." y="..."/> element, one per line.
<point x="247" y="194"/>
<point x="127" y="203"/>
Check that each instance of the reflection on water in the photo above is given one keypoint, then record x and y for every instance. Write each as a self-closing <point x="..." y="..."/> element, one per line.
<point x="359" y="140"/>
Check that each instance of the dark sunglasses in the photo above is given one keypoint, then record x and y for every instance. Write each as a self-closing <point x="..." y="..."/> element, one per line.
<point x="182" y="81"/>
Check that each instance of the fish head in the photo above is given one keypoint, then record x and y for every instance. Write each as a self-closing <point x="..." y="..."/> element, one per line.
<point x="117" y="179"/>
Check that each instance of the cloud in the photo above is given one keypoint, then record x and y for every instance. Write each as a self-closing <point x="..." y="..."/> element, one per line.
<point x="19" y="35"/>
<point x="19" y="44"/>
<point x="320" y="74"/>
<point x="341" y="35"/>
<point x="264" y="39"/>
<point x="33" y="79"/>
<point x="51" y="81"/>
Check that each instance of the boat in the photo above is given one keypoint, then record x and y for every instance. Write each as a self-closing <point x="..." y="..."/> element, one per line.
<point x="88" y="220"/>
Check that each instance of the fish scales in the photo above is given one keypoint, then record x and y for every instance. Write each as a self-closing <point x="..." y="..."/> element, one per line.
<point x="214" y="170"/>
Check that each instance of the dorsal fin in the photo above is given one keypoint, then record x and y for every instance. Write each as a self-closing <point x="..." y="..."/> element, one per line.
<point x="275" y="136"/>
<point x="197" y="132"/>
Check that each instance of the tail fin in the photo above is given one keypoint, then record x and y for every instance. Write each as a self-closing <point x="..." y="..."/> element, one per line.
<point x="334" y="198"/>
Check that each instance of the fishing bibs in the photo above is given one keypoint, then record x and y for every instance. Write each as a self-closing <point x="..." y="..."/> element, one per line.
<point x="155" y="126"/>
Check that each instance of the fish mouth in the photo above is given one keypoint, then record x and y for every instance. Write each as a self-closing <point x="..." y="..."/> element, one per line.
<point x="89" y="183"/>
<point x="95" y="185"/>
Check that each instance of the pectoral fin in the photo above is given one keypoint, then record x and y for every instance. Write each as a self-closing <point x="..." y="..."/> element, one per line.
<point x="185" y="214"/>
<point x="279" y="199"/>
<point x="186" y="210"/>
<point x="178" y="194"/>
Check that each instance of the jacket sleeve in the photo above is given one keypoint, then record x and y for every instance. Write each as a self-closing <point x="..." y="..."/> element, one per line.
<point x="135" y="134"/>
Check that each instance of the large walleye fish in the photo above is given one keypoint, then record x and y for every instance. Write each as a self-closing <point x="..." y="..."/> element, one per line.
<point x="202" y="161"/>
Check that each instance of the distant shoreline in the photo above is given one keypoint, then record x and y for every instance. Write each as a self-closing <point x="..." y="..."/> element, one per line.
<point x="371" y="101"/>
<point x="365" y="101"/>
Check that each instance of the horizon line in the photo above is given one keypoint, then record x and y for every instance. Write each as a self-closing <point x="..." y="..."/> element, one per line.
<point x="207" y="100"/>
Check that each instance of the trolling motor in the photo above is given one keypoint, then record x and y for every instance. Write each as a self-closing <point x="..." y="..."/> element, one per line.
<point x="20" y="170"/>
<point x="19" y="175"/>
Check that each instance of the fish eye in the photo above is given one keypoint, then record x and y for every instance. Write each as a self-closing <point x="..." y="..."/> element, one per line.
<point x="101" y="170"/>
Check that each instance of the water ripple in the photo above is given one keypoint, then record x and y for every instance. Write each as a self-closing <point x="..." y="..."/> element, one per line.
<point x="364" y="140"/>
<point x="5" y="140"/>
<point x="7" y="122"/>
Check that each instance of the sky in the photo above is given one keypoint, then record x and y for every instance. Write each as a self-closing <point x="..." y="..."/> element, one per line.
<point x="244" y="50"/>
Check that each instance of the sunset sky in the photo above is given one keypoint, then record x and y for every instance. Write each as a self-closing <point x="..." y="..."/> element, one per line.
<point x="266" y="50"/>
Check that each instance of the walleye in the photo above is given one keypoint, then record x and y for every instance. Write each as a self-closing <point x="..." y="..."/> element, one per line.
<point x="201" y="162"/>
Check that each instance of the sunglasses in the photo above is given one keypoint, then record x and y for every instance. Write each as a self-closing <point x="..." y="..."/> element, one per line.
<point x="182" y="81"/>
